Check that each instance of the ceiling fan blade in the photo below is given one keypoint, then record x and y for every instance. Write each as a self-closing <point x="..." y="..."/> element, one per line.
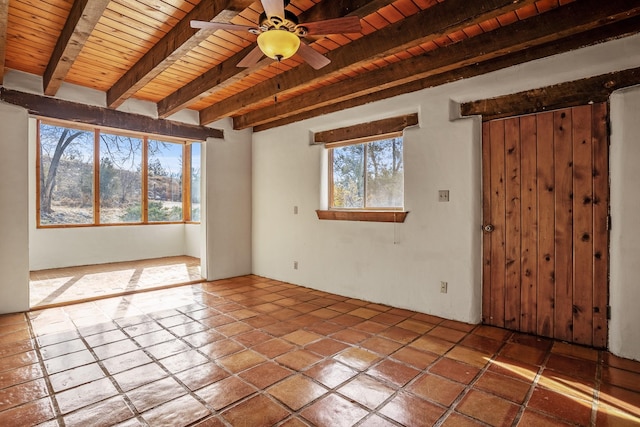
<point x="252" y="58"/>
<point x="347" y="24"/>
<point x="273" y="8"/>
<point x="312" y="57"/>
<point x="219" y="26"/>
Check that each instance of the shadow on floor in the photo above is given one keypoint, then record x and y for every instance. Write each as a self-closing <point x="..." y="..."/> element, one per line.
<point x="84" y="283"/>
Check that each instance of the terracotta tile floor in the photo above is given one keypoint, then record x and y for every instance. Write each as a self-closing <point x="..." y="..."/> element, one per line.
<point x="253" y="352"/>
<point x="62" y="285"/>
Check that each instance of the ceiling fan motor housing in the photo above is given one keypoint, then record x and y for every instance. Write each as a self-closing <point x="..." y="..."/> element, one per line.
<point x="288" y="23"/>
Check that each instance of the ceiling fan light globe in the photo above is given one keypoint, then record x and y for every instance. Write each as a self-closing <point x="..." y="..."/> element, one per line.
<point x="278" y="44"/>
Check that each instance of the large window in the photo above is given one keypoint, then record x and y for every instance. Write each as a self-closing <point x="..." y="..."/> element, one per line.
<point x="94" y="177"/>
<point x="367" y="175"/>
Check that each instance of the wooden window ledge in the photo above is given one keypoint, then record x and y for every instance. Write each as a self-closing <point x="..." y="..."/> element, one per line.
<point x="375" y="216"/>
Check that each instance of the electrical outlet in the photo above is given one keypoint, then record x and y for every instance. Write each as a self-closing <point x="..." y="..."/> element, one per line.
<point x="295" y="210"/>
<point x="443" y="287"/>
<point x="295" y="265"/>
<point x="443" y="195"/>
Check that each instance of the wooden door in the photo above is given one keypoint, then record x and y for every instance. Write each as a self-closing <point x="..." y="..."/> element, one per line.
<point x="545" y="213"/>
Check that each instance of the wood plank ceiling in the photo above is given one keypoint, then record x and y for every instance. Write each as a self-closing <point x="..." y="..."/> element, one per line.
<point x="145" y="49"/>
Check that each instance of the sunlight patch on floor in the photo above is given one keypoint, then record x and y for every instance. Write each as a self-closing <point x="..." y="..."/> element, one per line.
<point x="56" y="286"/>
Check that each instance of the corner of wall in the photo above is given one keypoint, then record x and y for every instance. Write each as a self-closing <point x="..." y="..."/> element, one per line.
<point x="14" y="209"/>
<point x="228" y="212"/>
<point x="624" y="334"/>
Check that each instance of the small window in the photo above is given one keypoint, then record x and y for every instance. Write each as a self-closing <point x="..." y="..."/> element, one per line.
<point x="367" y="176"/>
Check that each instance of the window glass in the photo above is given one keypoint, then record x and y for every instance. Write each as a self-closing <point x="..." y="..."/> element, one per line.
<point x="195" y="181"/>
<point x="368" y="175"/>
<point x="66" y="175"/>
<point x="120" y="179"/>
<point x="70" y="194"/>
<point x="165" y="181"/>
<point x="348" y="176"/>
<point x="385" y="175"/>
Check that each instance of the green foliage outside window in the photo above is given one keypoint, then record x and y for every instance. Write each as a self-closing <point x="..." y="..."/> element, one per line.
<point x="368" y="175"/>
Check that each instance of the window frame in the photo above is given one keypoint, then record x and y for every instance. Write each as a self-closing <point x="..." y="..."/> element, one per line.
<point x="355" y="134"/>
<point x="365" y="142"/>
<point x="186" y="174"/>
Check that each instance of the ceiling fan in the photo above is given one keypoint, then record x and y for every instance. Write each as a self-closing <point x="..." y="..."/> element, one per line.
<point x="279" y="34"/>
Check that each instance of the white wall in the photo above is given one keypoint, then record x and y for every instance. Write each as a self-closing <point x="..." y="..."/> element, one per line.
<point x="14" y="227"/>
<point x="226" y="204"/>
<point x="192" y="240"/>
<point x="624" y="337"/>
<point x="63" y="247"/>
<point x="403" y="264"/>
<point x="397" y="264"/>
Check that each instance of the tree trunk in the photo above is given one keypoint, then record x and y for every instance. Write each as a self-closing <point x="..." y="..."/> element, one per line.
<point x="48" y="185"/>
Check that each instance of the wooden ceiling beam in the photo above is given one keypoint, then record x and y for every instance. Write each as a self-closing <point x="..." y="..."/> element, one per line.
<point x="83" y="17"/>
<point x="362" y="131"/>
<point x="228" y="73"/>
<point x="548" y="27"/>
<point x="422" y="27"/>
<point x="617" y="30"/>
<point x="173" y="46"/>
<point x="4" y="17"/>
<point x="105" y="117"/>
<point x="563" y="95"/>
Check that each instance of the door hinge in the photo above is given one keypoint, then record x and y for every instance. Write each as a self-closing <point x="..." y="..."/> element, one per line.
<point x="608" y="312"/>
<point x="609" y="222"/>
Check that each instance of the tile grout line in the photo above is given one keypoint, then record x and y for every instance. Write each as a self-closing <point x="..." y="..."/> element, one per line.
<point x="111" y="378"/>
<point x="171" y="375"/>
<point x="158" y="321"/>
<point x="534" y="384"/>
<point x="324" y="358"/>
<point x="45" y="375"/>
<point x="375" y="411"/>
<point x="246" y="301"/>
<point x="451" y="408"/>
<point x="596" y="389"/>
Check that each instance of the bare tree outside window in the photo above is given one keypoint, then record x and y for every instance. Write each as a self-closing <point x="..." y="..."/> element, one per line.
<point x="120" y="178"/>
<point x="165" y="181"/>
<point x="68" y="188"/>
<point x="66" y="175"/>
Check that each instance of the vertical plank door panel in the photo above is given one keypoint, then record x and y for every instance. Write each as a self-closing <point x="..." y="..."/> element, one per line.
<point x="512" y="223"/>
<point x="563" y="165"/>
<point x="498" y="218"/>
<point x="486" y="218"/>
<point x="600" y="231"/>
<point x="546" y="262"/>
<point x="582" y="227"/>
<point x="529" y="206"/>
<point x="546" y="192"/>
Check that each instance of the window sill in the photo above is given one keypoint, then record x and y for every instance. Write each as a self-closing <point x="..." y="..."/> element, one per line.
<point x="374" y="216"/>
